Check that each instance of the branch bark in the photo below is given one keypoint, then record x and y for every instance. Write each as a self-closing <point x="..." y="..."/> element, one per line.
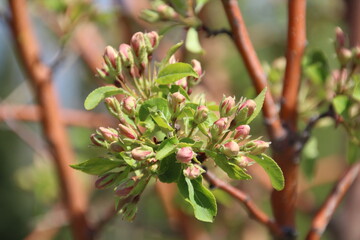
<point x="324" y="214"/>
<point x="41" y="80"/>
<point x="254" y="212"/>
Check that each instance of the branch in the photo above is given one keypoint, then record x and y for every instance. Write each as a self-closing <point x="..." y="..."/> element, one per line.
<point x="212" y="32"/>
<point x="69" y="117"/>
<point x="249" y="205"/>
<point x="253" y="66"/>
<point x="323" y="216"/>
<point x="295" y="48"/>
<point x="54" y="129"/>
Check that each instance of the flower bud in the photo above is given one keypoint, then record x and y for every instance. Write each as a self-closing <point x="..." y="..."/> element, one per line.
<point x="344" y="56"/>
<point x="126" y="55"/>
<point x="227" y="106"/>
<point x="113" y="106"/>
<point x="125" y="189"/>
<point x="166" y="12"/>
<point x="97" y="140"/>
<point x="243" y="161"/>
<point x="102" y="73"/>
<point x="339" y="38"/>
<point x="105" y="180"/>
<point x="244" y="112"/>
<point x="230" y="149"/>
<point x="111" y="54"/>
<point x="197" y="67"/>
<point x="193" y="171"/>
<point x="250" y="105"/>
<point x="115" y="147"/>
<point x="202" y="113"/>
<point x="137" y="42"/>
<point x="127" y="131"/>
<point x="182" y="83"/>
<point x="152" y="41"/>
<point x="176" y="101"/>
<point x="258" y="147"/>
<point x="109" y="134"/>
<point x="142" y="153"/>
<point x="218" y="128"/>
<point x="185" y="155"/>
<point x="241" y="132"/>
<point x="149" y="15"/>
<point x="129" y="105"/>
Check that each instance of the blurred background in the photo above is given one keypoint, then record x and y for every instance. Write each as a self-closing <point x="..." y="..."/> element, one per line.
<point x="72" y="36"/>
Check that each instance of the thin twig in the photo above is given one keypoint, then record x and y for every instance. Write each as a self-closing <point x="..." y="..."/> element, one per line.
<point x="69" y="117"/>
<point x="323" y="216"/>
<point x="253" y="66"/>
<point x="54" y="129"/>
<point x="255" y="212"/>
<point x="215" y="32"/>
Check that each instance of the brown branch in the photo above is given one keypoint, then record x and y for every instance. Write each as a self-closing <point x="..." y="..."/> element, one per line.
<point x="295" y="49"/>
<point x="69" y="117"/>
<point x="253" y="65"/>
<point x="54" y="129"/>
<point x="323" y="216"/>
<point x="254" y="212"/>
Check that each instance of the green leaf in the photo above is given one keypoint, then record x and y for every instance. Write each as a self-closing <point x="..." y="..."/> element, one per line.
<point x="200" y="198"/>
<point x="353" y="153"/>
<point x="316" y="67"/>
<point x="161" y="121"/>
<point x="171" y="52"/>
<point x="158" y="103"/>
<point x="192" y="43"/>
<point x="340" y="103"/>
<point x="166" y="148"/>
<point x="99" y="94"/>
<point x="272" y="169"/>
<point x="97" y="166"/>
<point x="173" y="72"/>
<point x="309" y="154"/>
<point x="129" y="160"/>
<point x="259" y="103"/>
<point x="231" y="169"/>
<point x="170" y="169"/>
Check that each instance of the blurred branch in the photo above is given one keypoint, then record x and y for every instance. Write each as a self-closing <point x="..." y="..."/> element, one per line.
<point x="253" y="66"/>
<point x="324" y="214"/>
<point x="254" y="212"/>
<point x="69" y="117"/>
<point x="213" y="32"/>
<point x="54" y="129"/>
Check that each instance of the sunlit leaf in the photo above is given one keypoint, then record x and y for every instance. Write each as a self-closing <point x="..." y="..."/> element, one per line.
<point x="192" y="43"/>
<point x="97" y="166"/>
<point x="173" y="72"/>
<point x="99" y="94"/>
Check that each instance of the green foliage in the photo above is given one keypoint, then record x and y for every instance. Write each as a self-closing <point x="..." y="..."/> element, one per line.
<point x="173" y="72"/>
<point x="99" y="94"/>
<point x="97" y="166"/>
<point x="192" y="43"/>
<point x="259" y="100"/>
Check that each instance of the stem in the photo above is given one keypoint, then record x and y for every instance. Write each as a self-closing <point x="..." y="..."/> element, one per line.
<point x="192" y="131"/>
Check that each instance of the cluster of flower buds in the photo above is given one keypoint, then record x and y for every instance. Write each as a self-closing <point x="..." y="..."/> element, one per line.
<point x="344" y="54"/>
<point x="185" y="156"/>
<point x="130" y="59"/>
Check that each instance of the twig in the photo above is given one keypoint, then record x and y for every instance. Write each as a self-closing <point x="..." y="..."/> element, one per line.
<point x="323" y="216"/>
<point x="253" y="66"/>
<point x="215" y="32"/>
<point x="54" y="129"/>
<point x="69" y="117"/>
<point x="295" y="49"/>
<point x="249" y="205"/>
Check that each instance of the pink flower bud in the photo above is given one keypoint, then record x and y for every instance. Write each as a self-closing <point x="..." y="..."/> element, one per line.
<point x="182" y="83"/>
<point x="185" y="154"/>
<point x="123" y="191"/>
<point x="109" y="134"/>
<point x="153" y="38"/>
<point x="201" y="114"/>
<point x="193" y="171"/>
<point x="127" y="131"/>
<point x="97" y="140"/>
<point x="250" y="105"/>
<point x="259" y="147"/>
<point x="113" y="105"/>
<point x="340" y="38"/>
<point x="105" y="180"/>
<point x="176" y="100"/>
<point x="230" y="149"/>
<point x="111" y="54"/>
<point x="142" y="153"/>
<point x="138" y="43"/>
<point x="115" y="147"/>
<point x="129" y="105"/>
<point x="126" y="55"/>
<point x="166" y="12"/>
<point x="244" y="161"/>
<point x="344" y="56"/>
<point x="227" y="106"/>
<point x="242" y="131"/>
<point x="218" y="127"/>
<point x="197" y="67"/>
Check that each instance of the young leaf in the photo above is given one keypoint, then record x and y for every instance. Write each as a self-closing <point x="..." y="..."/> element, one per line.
<point x="161" y="121"/>
<point x="170" y="169"/>
<point x="156" y="103"/>
<point x="129" y="160"/>
<point x="259" y="103"/>
<point x="272" y="169"/>
<point x="200" y="198"/>
<point x="232" y="170"/>
<point x="340" y="103"/>
<point x="99" y="94"/>
<point x="97" y="166"/>
<point x="166" y="148"/>
<point x="192" y="43"/>
<point x="173" y="72"/>
<point x="171" y="52"/>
